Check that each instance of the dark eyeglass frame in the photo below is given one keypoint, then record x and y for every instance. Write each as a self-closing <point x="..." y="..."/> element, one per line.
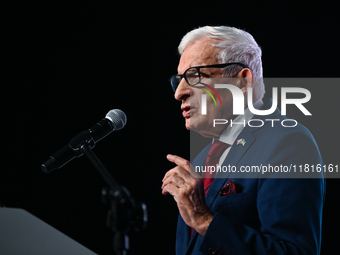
<point x="175" y="79"/>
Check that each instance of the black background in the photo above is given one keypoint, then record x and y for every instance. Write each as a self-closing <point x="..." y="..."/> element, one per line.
<point x="67" y="63"/>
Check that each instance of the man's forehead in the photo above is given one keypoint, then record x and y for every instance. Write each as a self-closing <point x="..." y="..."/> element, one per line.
<point x="200" y="52"/>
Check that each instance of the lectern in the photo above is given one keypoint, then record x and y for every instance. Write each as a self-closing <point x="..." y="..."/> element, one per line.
<point x="21" y="233"/>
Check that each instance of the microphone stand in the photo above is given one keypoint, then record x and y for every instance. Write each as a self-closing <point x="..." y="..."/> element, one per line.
<point x="124" y="213"/>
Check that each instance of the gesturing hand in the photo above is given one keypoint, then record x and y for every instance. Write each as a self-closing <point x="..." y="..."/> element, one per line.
<point x="188" y="193"/>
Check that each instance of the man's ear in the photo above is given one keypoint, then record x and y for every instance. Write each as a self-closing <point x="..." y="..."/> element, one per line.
<point x="245" y="79"/>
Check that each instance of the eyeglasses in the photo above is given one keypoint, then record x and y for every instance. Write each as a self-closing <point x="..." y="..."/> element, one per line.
<point x="193" y="75"/>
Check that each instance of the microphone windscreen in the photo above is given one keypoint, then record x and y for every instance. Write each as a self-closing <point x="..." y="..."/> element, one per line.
<point x="117" y="117"/>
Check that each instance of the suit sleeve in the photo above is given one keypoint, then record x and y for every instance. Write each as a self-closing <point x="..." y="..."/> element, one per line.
<point x="289" y="210"/>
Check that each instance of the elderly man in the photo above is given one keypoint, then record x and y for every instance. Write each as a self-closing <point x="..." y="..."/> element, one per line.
<point x="233" y="215"/>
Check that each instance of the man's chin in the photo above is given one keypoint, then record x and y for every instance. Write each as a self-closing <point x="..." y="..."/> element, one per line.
<point x="187" y="124"/>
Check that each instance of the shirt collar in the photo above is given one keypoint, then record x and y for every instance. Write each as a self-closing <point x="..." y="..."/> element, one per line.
<point x="230" y="134"/>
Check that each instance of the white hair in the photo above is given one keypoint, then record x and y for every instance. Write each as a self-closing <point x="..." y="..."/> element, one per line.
<point x="236" y="46"/>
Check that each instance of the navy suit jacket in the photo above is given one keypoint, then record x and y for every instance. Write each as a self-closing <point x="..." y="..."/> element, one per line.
<point x="266" y="215"/>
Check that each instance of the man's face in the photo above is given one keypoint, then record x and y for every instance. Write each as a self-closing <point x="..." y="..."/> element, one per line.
<point x="197" y="54"/>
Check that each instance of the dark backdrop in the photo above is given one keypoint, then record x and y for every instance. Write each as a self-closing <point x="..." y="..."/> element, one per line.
<point x="67" y="63"/>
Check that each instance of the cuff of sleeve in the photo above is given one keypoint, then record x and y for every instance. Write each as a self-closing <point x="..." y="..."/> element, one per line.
<point x="216" y="231"/>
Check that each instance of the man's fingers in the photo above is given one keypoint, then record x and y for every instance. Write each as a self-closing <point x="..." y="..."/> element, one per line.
<point x="175" y="180"/>
<point x="179" y="161"/>
<point x="178" y="171"/>
<point x="184" y="168"/>
<point x="170" y="189"/>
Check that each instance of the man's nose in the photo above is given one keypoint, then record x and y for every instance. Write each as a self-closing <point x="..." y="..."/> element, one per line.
<point x="182" y="91"/>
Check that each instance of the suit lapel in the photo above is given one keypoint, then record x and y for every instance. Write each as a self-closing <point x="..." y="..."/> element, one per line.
<point x="183" y="234"/>
<point x="234" y="156"/>
<point x="236" y="153"/>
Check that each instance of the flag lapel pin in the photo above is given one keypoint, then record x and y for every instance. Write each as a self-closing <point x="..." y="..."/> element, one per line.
<point x="241" y="141"/>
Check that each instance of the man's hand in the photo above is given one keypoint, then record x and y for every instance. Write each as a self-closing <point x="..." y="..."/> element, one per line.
<point x="188" y="193"/>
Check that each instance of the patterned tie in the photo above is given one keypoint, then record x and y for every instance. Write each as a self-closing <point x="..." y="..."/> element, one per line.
<point x="213" y="157"/>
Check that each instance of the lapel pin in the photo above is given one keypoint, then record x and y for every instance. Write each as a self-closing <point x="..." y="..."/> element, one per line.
<point x="241" y="141"/>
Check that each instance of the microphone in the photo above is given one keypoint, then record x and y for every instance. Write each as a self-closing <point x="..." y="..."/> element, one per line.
<point x="114" y="120"/>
